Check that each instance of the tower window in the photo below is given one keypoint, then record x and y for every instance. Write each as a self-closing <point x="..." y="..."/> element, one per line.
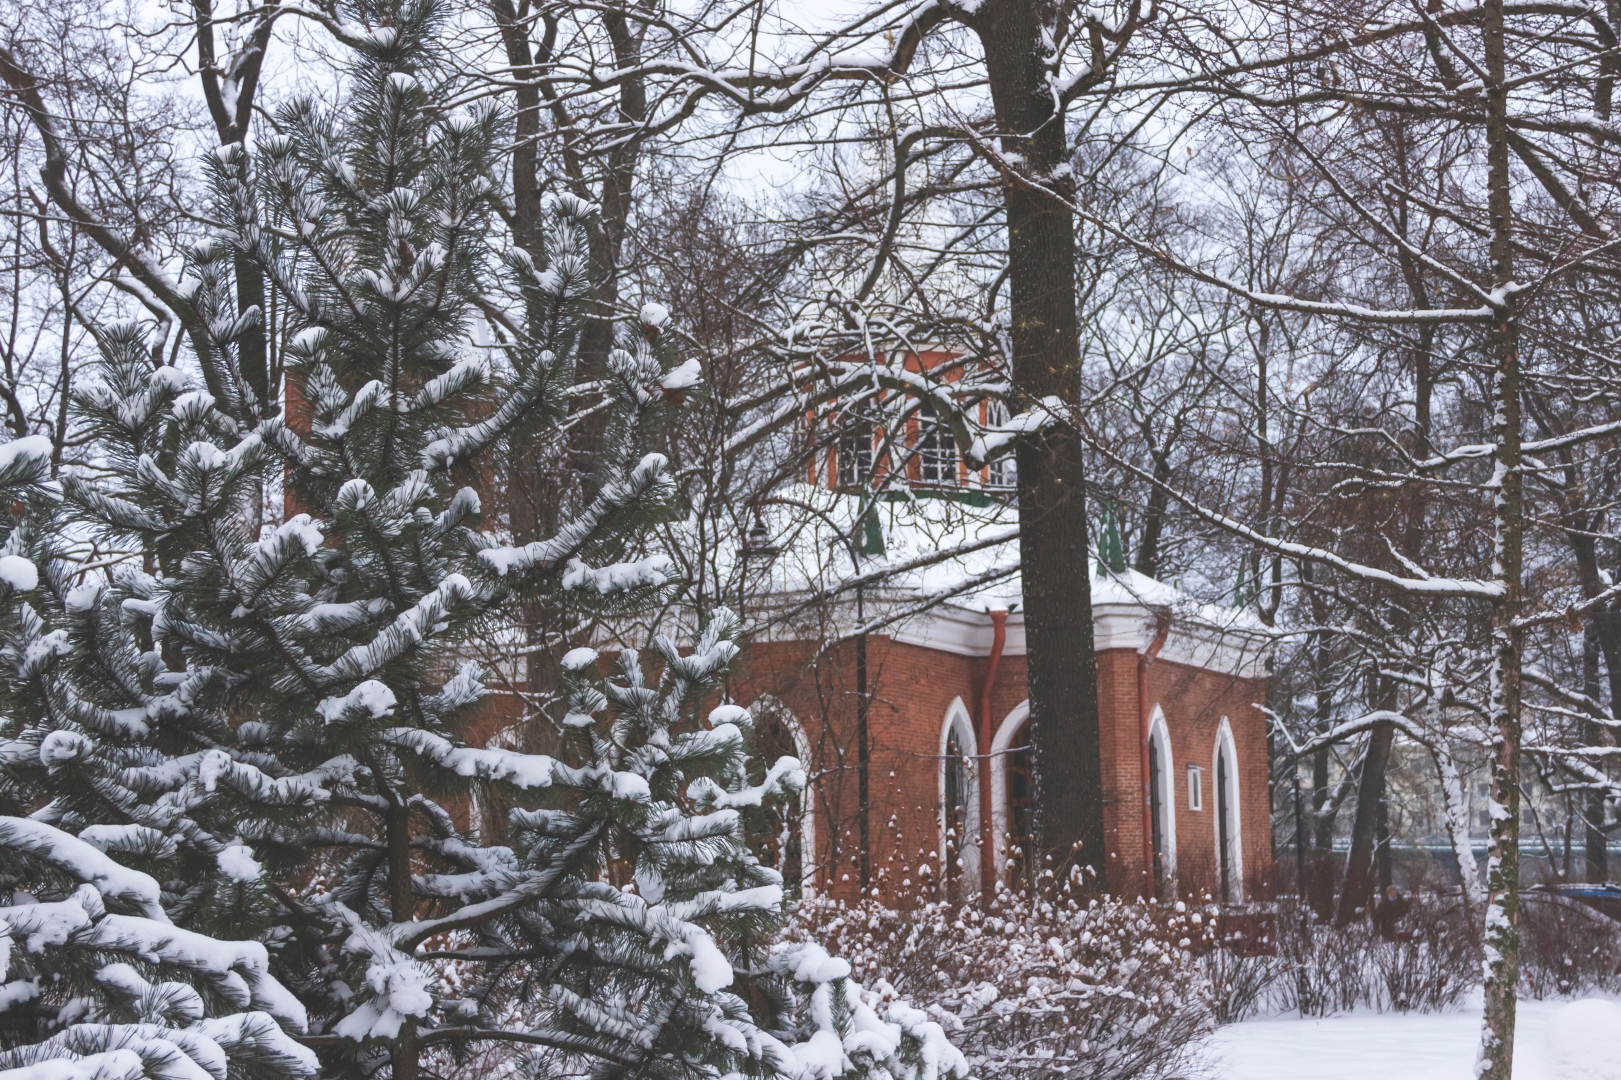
<point x="937" y="452"/>
<point x="1000" y="473"/>
<point x="855" y="457"/>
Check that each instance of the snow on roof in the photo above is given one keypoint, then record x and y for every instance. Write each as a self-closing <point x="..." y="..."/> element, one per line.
<point x="812" y="543"/>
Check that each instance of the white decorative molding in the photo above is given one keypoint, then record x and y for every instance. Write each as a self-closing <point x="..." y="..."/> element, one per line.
<point x="1238" y="651"/>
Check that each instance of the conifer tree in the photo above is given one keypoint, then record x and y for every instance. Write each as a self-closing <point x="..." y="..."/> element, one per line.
<point x="236" y="760"/>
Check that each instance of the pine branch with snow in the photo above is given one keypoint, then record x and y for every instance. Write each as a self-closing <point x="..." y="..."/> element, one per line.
<point x="657" y="920"/>
<point x="97" y="982"/>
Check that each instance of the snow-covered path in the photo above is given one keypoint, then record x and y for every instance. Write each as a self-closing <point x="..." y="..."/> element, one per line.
<point x="1372" y="1046"/>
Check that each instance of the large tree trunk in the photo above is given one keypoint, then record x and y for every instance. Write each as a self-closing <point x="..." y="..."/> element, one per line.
<point x="1053" y="551"/>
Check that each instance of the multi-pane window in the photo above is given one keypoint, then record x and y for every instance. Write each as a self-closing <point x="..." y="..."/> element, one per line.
<point x="1000" y="471"/>
<point x="855" y="457"/>
<point x="936" y="450"/>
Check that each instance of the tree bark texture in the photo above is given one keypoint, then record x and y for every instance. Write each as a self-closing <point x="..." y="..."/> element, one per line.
<point x="1357" y="889"/>
<point x="1045" y="333"/>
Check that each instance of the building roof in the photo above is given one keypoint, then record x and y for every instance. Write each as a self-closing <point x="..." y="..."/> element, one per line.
<point x="812" y="549"/>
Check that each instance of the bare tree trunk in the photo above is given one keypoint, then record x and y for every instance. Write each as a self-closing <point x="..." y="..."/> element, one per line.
<point x="1321" y="893"/>
<point x="1154" y="512"/>
<point x="1322" y="841"/>
<point x="1502" y="940"/>
<point x="1595" y="843"/>
<point x="1052" y="478"/>
<point x="1358" y="887"/>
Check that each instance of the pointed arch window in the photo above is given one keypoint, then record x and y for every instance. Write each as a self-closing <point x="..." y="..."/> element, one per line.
<point x="1162" y="803"/>
<point x="959" y="805"/>
<point x="1229" y="845"/>
<point x="789" y="843"/>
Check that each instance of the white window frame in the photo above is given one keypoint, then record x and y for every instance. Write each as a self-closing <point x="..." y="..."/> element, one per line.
<point x="958" y="720"/>
<point x="1160" y="735"/>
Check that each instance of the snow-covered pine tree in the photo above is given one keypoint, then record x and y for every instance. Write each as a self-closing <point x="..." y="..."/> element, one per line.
<point x="257" y="727"/>
<point x="645" y="825"/>
<point x="99" y="978"/>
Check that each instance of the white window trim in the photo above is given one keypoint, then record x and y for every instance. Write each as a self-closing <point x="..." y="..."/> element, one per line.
<point x="1006" y="732"/>
<point x="1159" y="734"/>
<point x="1235" y="833"/>
<point x="958" y="719"/>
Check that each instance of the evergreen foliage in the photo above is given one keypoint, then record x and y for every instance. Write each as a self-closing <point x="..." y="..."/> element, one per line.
<point x="234" y="766"/>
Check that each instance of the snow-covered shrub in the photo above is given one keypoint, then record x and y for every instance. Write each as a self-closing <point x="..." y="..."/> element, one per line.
<point x="1429" y="963"/>
<point x="1567" y="948"/>
<point x="1063" y="982"/>
<point x="1433" y="961"/>
<point x="1325" y="970"/>
<point x="1241" y="979"/>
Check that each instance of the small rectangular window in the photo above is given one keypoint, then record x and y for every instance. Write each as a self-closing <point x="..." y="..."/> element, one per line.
<point x="1195" y="788"/>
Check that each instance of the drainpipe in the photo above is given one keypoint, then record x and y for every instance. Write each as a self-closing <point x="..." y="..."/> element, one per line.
<point x="987" y="824"/>
<point x="1162" y="630"/>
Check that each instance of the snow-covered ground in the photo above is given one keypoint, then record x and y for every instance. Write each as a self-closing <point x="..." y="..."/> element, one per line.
<point x="1557" y="1040"/>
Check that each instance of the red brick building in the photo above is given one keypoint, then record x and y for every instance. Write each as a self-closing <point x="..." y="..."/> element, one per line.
<point x="932" y="721"/>
<point x="949" y="797"/>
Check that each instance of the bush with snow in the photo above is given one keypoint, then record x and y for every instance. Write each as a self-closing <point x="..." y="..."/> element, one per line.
<point x="1062" y="982"/>
<point x="1567" y="948"/>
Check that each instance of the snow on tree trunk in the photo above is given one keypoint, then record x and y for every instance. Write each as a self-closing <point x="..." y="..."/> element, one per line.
<point x="1457" y="825"/>
<point x="1502" y="931"/>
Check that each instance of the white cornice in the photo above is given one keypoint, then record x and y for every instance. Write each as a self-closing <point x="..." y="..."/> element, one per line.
<point x="1238" y="651"/>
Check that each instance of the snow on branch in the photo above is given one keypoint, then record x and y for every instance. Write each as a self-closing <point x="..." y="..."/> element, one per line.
<point x="83" y="862"/>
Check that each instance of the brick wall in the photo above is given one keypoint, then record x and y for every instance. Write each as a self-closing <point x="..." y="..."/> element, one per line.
<point x="1194" y="702"/>
<point x="912" y="690"/>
